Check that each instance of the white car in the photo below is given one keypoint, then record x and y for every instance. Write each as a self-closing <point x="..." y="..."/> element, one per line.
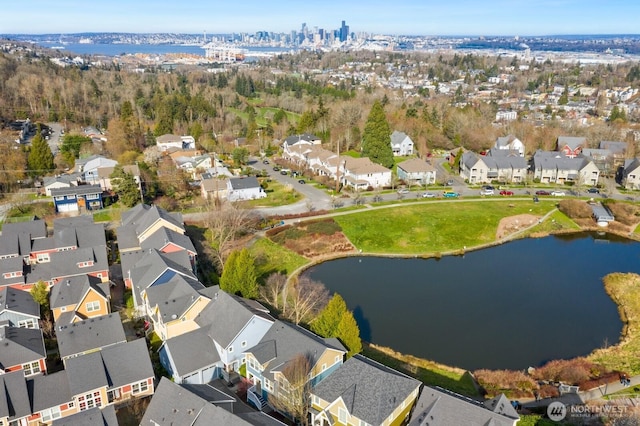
<point x="558" y="193"/>
<point x="428" y="195"/>
<point x="403" y="191"/>
<point x="486" y="191"/>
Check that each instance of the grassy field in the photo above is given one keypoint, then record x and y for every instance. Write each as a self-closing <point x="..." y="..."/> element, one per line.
<point x="264" y="114"/>
<point x="433" y="227"/>
<point x="624" y="289"/>
<point x="277" y="195"/>
<point x="557" y="222"/>
<point x="271" y="257"/>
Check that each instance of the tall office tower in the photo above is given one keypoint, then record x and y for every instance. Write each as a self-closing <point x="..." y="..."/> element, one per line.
<point x="344" y="32"/>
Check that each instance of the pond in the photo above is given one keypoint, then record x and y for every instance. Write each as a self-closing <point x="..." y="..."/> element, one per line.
<point x="512" y="306"/>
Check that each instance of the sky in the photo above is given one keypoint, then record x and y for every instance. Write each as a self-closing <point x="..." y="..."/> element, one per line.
<point x="399" y="17"/>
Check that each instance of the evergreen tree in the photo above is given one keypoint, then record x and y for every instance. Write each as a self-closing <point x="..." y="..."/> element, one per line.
<point x="40" y="159"/>
<point x="326" y="324"/>
<point x="376" y="139"/>
<point x="349" y="334"/>
<point x="124" y="184"/>
<point x="564" y="98"/>
<point x="239" y="275"/>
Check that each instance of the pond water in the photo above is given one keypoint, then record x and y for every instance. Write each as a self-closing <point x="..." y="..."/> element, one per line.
<point x="511" y="306"/>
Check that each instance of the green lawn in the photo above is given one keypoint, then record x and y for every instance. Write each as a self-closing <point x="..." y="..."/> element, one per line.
<point x="262" y="113"/>
<point x="271" y="257"/>
<point x="433" y="227"/>
<point x="277" y="195"/>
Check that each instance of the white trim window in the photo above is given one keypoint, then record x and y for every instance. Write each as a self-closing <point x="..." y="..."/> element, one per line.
<point x="28" y="323"/>
<point x="31" y="368"/>
<point x="342" y="415"/>
<point x="90" y="400"/>
<point x="50" y="414"/>
<point x="140" y="387"/>
<point x="43" y="258"/>
<point x="93" y="306"/>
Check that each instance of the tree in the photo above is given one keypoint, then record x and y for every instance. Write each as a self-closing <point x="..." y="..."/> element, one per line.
<point x="335" y="320"/>
<point x="224" y="224"/>
<point x="564" y="98"/>
<point x="305" y="298"/>
<point x="125" y="186"/>
<point x="40" y="293"/>
<point x="376" y="138"/>
<point x="240" y="156"/>
<point x="40" y="158"/>
<point x="617" y="115"/>
<point x="293" y="396"/>
<point x="239" y="275"/>
<point x="272" y="290"/>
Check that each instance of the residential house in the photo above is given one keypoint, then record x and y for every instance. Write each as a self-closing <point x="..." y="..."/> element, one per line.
<point x="193" y="164"/>
<point x="105" y="416"/>
<point x="50" y="398"/>
<point x="142" y="221"/>
<point x="174" y="404"/>
<point x="571" y="146"/>
<point x="272" y="362"/>
<point x="440" y="407"/>
<point x="173" y="305"/>
<point x="78" y="298"/>
<point x="303" y="139"/>
<point x="168" y="240"/>
<point x="361" y="173"/>
<point x="59" y="181"/>
<point x="18" y="309"/>
<point x="556" y="167"/>
<point x="89" y="168"/>
<point x="112" y="375"/>
<point x="401" y="144"/>
<point x="22" y="349"/>
<point x="168" y="141"/>
<point x="498" y="165"/>
<point x="15" y="406"/>
<point x="244" y="188"/>
<point x="416" y="172"/>
<point x="363" y="391"/>
<point x="511" y="143"/>
<point x="104" y="176"/>
<point x="630" y="176"/>
<point x="228" y="326"/>
<point x="618" y="151"/>
<point x="214" y="188"/>
<point x="75" y="198"/>
<point x="83" y="337"/>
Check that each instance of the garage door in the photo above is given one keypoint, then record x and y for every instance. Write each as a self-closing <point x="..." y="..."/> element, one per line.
<point x="71" y="207"/>
<point x="193" y="379"/>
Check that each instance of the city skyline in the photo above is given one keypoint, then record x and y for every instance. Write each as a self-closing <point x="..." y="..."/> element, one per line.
<point x="405" y="17"/>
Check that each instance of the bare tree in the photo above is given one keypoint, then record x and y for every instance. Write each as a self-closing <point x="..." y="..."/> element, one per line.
<point x="272" y="290"/>
<point x="293" y="395"/>
<point x="225" y="224"/>
<point x="305" y="298"/>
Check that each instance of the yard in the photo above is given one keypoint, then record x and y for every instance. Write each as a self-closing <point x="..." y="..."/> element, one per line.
<point x="277" y="195"/>
<point x="436" y="227"/>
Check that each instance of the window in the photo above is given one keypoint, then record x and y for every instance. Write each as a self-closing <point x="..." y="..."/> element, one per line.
<point x="28" y="323"/>
<point x="42" y="258"/>
<point x="50" y="414"/>
<point x="89" y="400"/>
<point x="315" y="400"/>
<point x="230" y="349"/>
<point x="63" y="309"/>
<point x="342" y="415"/>
<point x="244" y="344"/>
<point x="31" y="368"/>
<point x="139" y="387"/>
<point x="324" y="367"/>
<point x="113" y="395"/>
<point x="93" y="306"/>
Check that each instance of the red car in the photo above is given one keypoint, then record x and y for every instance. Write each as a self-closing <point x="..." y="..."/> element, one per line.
<point x="542" y="192"/>
<point x="506" y="193"/>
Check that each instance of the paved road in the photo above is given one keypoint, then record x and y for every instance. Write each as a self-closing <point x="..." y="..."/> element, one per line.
<point x="55" y="140"/>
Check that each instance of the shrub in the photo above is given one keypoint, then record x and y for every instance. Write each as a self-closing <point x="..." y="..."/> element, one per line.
<point x="324" y="227"/>
<point x="507" y="381"/>
<point x="627" y="214"/>
<point x="575" y="209"/>
<point x="288" y="234"/>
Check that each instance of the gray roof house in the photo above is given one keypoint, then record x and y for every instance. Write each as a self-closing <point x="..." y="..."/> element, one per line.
<point x="86" y="336"/>
<point x="416" y="171"/>
<point x="105" y="416"/>
<point x="118" y="372"/>
<point x="18" y="309"/>
<point x="67" y="296"/>
<point x="401" y="144"/>
<point x="22" y="349"/>
<point x="497" y="165"/>
<point x="441" y="407"/>
<point x="143" y="220"/>
<point x="511" y="143"/>
<point x="244" y="188"/>
<point x="631" y="174"/>
<point x="15" y="404"/>
<point x="49" y="393"/>
<point x="556" y="167"/>
<point x="362" y="390"/>
<point x="173" y="404"/>
<point x="571" y="145"/>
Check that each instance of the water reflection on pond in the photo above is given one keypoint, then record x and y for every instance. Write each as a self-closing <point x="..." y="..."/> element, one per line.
<point x="511" y="306"/>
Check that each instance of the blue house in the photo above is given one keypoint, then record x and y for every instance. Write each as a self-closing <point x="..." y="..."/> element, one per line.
<point x="74" y="198"/>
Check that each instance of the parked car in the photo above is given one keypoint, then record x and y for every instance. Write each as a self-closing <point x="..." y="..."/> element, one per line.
<point x="506" y="193"/>
<point x="558" y="193"/>
<point x="450" y="182"/>
<point x="486" y="191"/>
<point x="284" y="172"/>
<point x="276" y="168"/>
<point x="543" y="192"/>
<point x="265" y="161"/>
<point x="403" y="191"/>
<point x="593" y="191"/>
<point x="450" y="194"/>
<point x="428" y="195"/>
<point x="302" y="181"/>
